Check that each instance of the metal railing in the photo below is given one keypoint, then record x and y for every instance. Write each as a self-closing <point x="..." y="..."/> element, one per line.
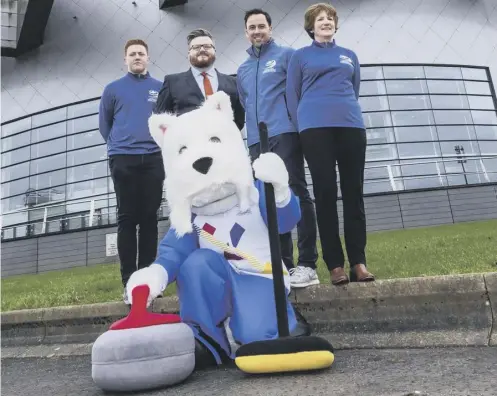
<point x="93" y="214"/>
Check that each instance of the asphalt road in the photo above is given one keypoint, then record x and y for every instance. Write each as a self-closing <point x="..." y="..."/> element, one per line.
<point x="434" y="372"/>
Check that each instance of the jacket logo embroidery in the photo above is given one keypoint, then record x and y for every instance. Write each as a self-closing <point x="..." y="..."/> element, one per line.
<point x="270" y="67"/>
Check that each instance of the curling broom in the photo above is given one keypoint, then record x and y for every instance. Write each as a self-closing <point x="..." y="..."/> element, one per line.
<point x="285" y="353"/>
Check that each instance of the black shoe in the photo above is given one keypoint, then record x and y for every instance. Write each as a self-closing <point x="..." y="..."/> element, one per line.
<point x="203" y="357"/>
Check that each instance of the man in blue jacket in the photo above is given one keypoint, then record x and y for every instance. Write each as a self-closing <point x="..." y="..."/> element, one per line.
<point x="135" y="160"/>
<point x="261" y="82"/>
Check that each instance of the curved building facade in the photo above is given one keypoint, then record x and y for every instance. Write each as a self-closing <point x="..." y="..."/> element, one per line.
<point x="427" y="96"/>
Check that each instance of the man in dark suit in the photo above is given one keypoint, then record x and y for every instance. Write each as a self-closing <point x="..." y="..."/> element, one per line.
<point x="183" y="92"/>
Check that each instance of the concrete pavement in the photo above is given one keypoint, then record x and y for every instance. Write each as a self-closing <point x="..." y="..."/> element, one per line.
<point x="429" y="371"/>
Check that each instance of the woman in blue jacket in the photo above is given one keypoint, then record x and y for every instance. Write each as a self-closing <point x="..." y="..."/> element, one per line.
<point x="322" y="91"/>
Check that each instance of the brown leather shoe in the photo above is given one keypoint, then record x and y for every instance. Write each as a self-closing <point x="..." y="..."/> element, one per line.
<point x="338" y="277"/>
<point x="359" y="273"/>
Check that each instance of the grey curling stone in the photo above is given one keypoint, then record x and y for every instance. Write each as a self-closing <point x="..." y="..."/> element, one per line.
<point x="143" y="358"/>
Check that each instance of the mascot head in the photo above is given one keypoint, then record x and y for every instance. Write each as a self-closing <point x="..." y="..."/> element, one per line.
<point x="207" y="166"/>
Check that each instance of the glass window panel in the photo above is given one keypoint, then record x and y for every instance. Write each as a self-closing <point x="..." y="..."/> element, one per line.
<point x="82" y="124"/>
<point x="372" y="88"/>
<point x="477" y="88"/>
<point x="475" y="171"/>
<point x="9" y="204"/>
<point x="419" y="168"/>
<point x="14" y="217"/>
<point x="413" y="102"/>
<point x="456" y="132"/>
<point x="415" y="134"/>
<point x="481" y="102"/>
<point x="406" y="87"/>
<point x="446" y="87"/>
<point x="49" y="117"/>
<point x="453" y="117"/>
<point x="375" y="120"/>
<point x="381" y="152"/>
<point x="15" y="187"/>
<point x="87" y="188"/>
<point x="418" y="150"/>
<point x="443" y="72"/>
<point x="16" y="141"/>
<point x="415" y="183"/>
<point x="15" y="156"/>
<point x="486" y="132"/>
<point x="83" y="204"/>
<point x="371" y="73"/>
<point x="379" y="170"/>
<point x="48" y="163"/>
<point x="15" y="172"/>
<point x="403" y="72"/>
<point x="377" y="186"/>
<point x="83" y="156"/>
<point x="48" y="180"/>
<point x="373" y="103"/>
<point x="471" y="73"/>
<point x="18" y="126"/>
<point x="380" y="136"/>
<point x="88" y="171"/>
<point x="48" y="132"/>
<point x="83" y="109"/>
<point x="490" y="166"/>
<point x="43" y="197"/>
<point x="47" y="148"/>
<point x="401" y="118"/>
<point x="449" y="102"/>
<point x="488" y="147"/>
<point x="85" y="139"/>
<point x="459" y="149"/>
<point x="484" y="117"/>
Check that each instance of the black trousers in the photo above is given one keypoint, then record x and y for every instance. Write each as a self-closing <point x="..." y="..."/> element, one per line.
<point x="288" y="147"/>
<point x="138" y="183"/>
<point x="324" y="148"/>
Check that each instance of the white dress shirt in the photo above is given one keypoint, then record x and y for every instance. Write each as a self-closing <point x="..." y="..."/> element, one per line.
<point x="211" y="73"/>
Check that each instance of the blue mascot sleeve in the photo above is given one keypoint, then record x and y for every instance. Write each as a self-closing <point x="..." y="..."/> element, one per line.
<point x="173" y="251"/>
<point x="288" y="215"/>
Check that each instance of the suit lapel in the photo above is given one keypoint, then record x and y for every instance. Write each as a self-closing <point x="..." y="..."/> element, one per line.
<point x="221" y="82"/>
<point x="192" y="83"/>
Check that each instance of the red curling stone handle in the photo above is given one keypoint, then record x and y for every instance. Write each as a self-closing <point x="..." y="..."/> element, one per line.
<point x="139" y="315"/>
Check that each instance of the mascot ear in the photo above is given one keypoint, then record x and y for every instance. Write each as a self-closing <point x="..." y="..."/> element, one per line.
<point x="220" y="101"/>
<point x="159" y="124"/>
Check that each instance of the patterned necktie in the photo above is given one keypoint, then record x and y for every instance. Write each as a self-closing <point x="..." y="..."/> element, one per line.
<point x="207" y="85"/>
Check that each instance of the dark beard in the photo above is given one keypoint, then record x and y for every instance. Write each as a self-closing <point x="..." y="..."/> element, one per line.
<point x="202" y="64"/>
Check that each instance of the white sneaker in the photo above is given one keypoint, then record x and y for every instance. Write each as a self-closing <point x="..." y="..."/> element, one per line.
<point x="303" y="277"/>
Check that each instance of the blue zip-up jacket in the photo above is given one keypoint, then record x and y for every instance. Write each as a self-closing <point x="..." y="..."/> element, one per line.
<point x="322" y="87"/>
<point x="261" y="86"/>
<point x="125" y="108"/>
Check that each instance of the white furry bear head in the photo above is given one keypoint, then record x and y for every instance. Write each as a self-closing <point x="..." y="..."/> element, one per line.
<point x="205" y="159"/>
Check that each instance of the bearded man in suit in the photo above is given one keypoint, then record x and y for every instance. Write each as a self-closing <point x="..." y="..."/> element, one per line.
<point x="186" y="91"/>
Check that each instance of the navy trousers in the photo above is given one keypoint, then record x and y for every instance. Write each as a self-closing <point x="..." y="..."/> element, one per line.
<point x="288" y="147"/>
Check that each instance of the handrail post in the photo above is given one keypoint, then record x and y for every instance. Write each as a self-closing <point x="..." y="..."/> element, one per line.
<point x="484" y="171"/>
<point x="44" y="225"/>
<point x="390" y="176"/>
<point x="92" y="212"/>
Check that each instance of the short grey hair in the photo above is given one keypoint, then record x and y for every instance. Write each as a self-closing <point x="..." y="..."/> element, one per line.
<point x="198" y="33"/>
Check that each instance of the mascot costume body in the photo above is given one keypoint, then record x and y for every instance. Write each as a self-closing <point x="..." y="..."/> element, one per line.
<point x="217" y="249"/>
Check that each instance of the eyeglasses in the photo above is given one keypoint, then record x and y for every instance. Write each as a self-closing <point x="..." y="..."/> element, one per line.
<point x="199" y="46"/>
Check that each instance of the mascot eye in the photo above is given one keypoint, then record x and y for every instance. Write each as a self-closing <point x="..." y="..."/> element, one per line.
<point x="215" y="139"/>
<point x="183" y="148"/>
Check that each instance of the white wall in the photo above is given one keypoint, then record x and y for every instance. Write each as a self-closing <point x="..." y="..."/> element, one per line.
<point x="81" y="55"/>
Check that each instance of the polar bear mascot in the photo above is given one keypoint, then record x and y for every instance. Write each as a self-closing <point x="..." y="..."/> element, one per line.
<point x="217" y="248"/>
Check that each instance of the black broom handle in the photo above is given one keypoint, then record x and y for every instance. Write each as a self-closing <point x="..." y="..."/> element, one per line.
<point x="274" y="243"/>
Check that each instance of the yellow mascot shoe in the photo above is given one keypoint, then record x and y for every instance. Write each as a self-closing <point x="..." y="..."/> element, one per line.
<point x="287" y="354"/>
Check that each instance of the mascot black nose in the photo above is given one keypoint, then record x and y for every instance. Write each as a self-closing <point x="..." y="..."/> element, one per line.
<point x="203" y="165"/>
